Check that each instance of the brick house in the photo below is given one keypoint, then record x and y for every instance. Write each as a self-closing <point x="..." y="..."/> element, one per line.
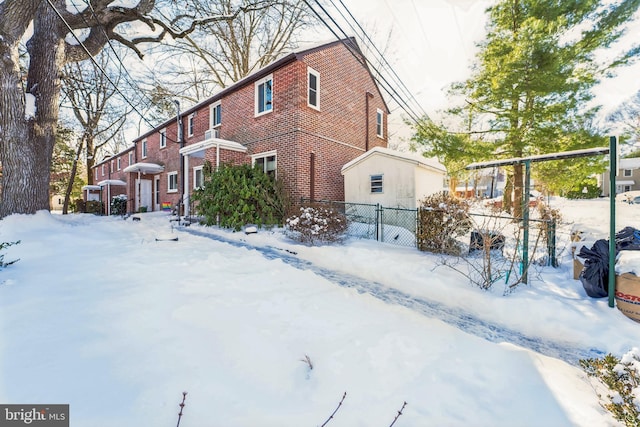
<point x="302" y="117"/>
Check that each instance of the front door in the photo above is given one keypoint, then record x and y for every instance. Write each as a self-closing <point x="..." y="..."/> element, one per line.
<point x="143" y="194"/>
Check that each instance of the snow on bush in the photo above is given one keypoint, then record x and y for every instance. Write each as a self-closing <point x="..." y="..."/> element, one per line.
<point x="316" y="224"/>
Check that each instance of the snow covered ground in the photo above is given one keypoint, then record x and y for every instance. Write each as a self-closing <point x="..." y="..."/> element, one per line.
<point x="99" y="314"/>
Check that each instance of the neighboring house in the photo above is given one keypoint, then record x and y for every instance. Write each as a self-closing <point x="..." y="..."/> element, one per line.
<point x="392" y="178"/>
<point x="300" y="118"/>
<point x="110" y="179"/>
<point x="627" y="178"/>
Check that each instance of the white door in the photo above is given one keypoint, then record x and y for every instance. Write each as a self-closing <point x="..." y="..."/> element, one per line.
<point x="143" y="194"/>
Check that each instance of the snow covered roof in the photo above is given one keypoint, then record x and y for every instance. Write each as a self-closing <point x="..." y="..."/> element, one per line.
<point x="418" y="159"/>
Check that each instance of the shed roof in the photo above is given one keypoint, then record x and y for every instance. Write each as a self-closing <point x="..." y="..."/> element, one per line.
<point x="415" y="158"/>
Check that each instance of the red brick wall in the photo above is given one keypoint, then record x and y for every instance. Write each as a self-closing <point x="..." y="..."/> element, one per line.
<point x="335" y="134"/>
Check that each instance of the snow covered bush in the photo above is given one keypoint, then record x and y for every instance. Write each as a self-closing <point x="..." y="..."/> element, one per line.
<point x="441" y="219"/>
<point x="316" y="224"/>
<point x="119" y="204"/>
<point x="621" y="377"/>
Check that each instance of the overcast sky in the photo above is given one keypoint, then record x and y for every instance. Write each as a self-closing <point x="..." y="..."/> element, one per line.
<point x="433" y="43"/>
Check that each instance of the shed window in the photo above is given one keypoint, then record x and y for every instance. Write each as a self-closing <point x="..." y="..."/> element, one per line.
<point x="376" y="183"/>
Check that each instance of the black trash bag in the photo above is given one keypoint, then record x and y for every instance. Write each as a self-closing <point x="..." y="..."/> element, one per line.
<point x="595" y="274"/>
<point x="628" y="239"/>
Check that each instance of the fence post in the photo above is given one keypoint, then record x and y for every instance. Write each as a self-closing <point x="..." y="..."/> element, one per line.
<point x="552" y="243"/>
<point x="378" y="222"/>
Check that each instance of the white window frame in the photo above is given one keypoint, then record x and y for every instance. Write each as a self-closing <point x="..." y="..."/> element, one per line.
<point x="103" y="169"/>
<point x="380" y="123"/>
<point x="143" y="150"/>
<point x="118" y="163"/>
<point x="312" y="72"/>
<point x="373" y="183"/>
<point x="212" y="115"/>
<point x="191" y="124"/>
<point x="96" y="173"/>
<point x="169" y="176"/>
<point x="197" y="169"/>
<point x="111" y="169"/>
<point x="163" y="138"/>
<point x="259" y="83"/>
<point x="264" y="155"/>
<point x="627" y="172"/>
<point x="130" y="158"/>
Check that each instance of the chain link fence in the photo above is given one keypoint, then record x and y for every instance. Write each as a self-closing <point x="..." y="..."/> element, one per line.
<point x="398" y="226"/>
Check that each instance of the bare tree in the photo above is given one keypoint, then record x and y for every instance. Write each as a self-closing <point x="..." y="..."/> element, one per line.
<point x="30" y="104"/>
<point x="222" y="52"/>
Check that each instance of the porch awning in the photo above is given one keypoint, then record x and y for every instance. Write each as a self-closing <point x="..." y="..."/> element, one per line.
<point x="91" y="187"/>
<point x="111" y="182"/>
<point x="200" y="147"/>
<point x="145" y="168"/>
<point x="627" y="182"/>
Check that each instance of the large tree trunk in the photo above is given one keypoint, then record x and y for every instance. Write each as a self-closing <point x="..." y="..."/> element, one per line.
<point x="28" y="148"/>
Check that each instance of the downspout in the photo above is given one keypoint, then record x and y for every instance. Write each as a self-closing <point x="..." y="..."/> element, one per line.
<point x="181" y="142"/>
<point x="366" y="120"/>
<point x="312" y="173"/>
<point x="217" y="156"/>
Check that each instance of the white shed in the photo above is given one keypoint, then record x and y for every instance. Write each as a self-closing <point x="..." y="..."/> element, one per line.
<point x="392" y="178"/>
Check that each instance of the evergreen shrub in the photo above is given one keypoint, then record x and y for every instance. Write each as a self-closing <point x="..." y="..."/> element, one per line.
<point x="234" y="196"/>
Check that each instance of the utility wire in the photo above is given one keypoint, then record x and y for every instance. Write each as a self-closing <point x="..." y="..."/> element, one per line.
<point x="381" y="56"/>
<point x="382" y="81"/>
<point x="90" y="56"/>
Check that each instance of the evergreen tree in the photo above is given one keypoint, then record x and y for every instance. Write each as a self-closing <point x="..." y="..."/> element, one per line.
<point x="530" y="89"/>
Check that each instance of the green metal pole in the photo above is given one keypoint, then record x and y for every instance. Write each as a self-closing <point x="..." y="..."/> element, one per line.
<point x="613" y="168"/>
<point x="525" y="220"/>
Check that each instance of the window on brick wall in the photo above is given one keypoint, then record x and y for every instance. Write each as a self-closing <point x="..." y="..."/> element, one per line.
<point x="103" y="169"/>
<point x="380" y="123"/>
<point x="190" y="124"/>
<point x="119" y="163"/>
<point x="215" y="115"/>
<point x="313" y="84"/>
<point x="96" y="177"/>
<point x="144" y="148"/>
<point x="131" y="158"/>
<point x="198" y="177"/>
<point x="266" y="162"/>
<point x="111" y="167"/>
<point x="376" y="183"/>
<point x="163" y="138"/>
<point x="264" y="96"/>
<point x="172" y="182"/>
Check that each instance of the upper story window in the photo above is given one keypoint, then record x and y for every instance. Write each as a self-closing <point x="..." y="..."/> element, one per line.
<point x="313" y="84"/>
<point x="627" y="172"/>
<point x="264" y="95"/>
<point x="131" y="158"/>
<point x="111" y="167"/>
<point x="215" y="115"/>
<point x="96" y="174"/>
<point x="190" y="124"/>
<point x="266" y="162"/>
<point x="119" y="163"/>
<point x="380" y="123"/>
<point x="103" y="169"/>
<point x="144" y="148"/>
<point x="376" y="183"/>
<point x="163" y="138"/>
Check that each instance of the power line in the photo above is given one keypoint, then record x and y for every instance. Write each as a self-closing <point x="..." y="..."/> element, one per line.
<point x="381" y="56"/>
<point x="381" y="80"/>
<point x="99" y="67"/>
